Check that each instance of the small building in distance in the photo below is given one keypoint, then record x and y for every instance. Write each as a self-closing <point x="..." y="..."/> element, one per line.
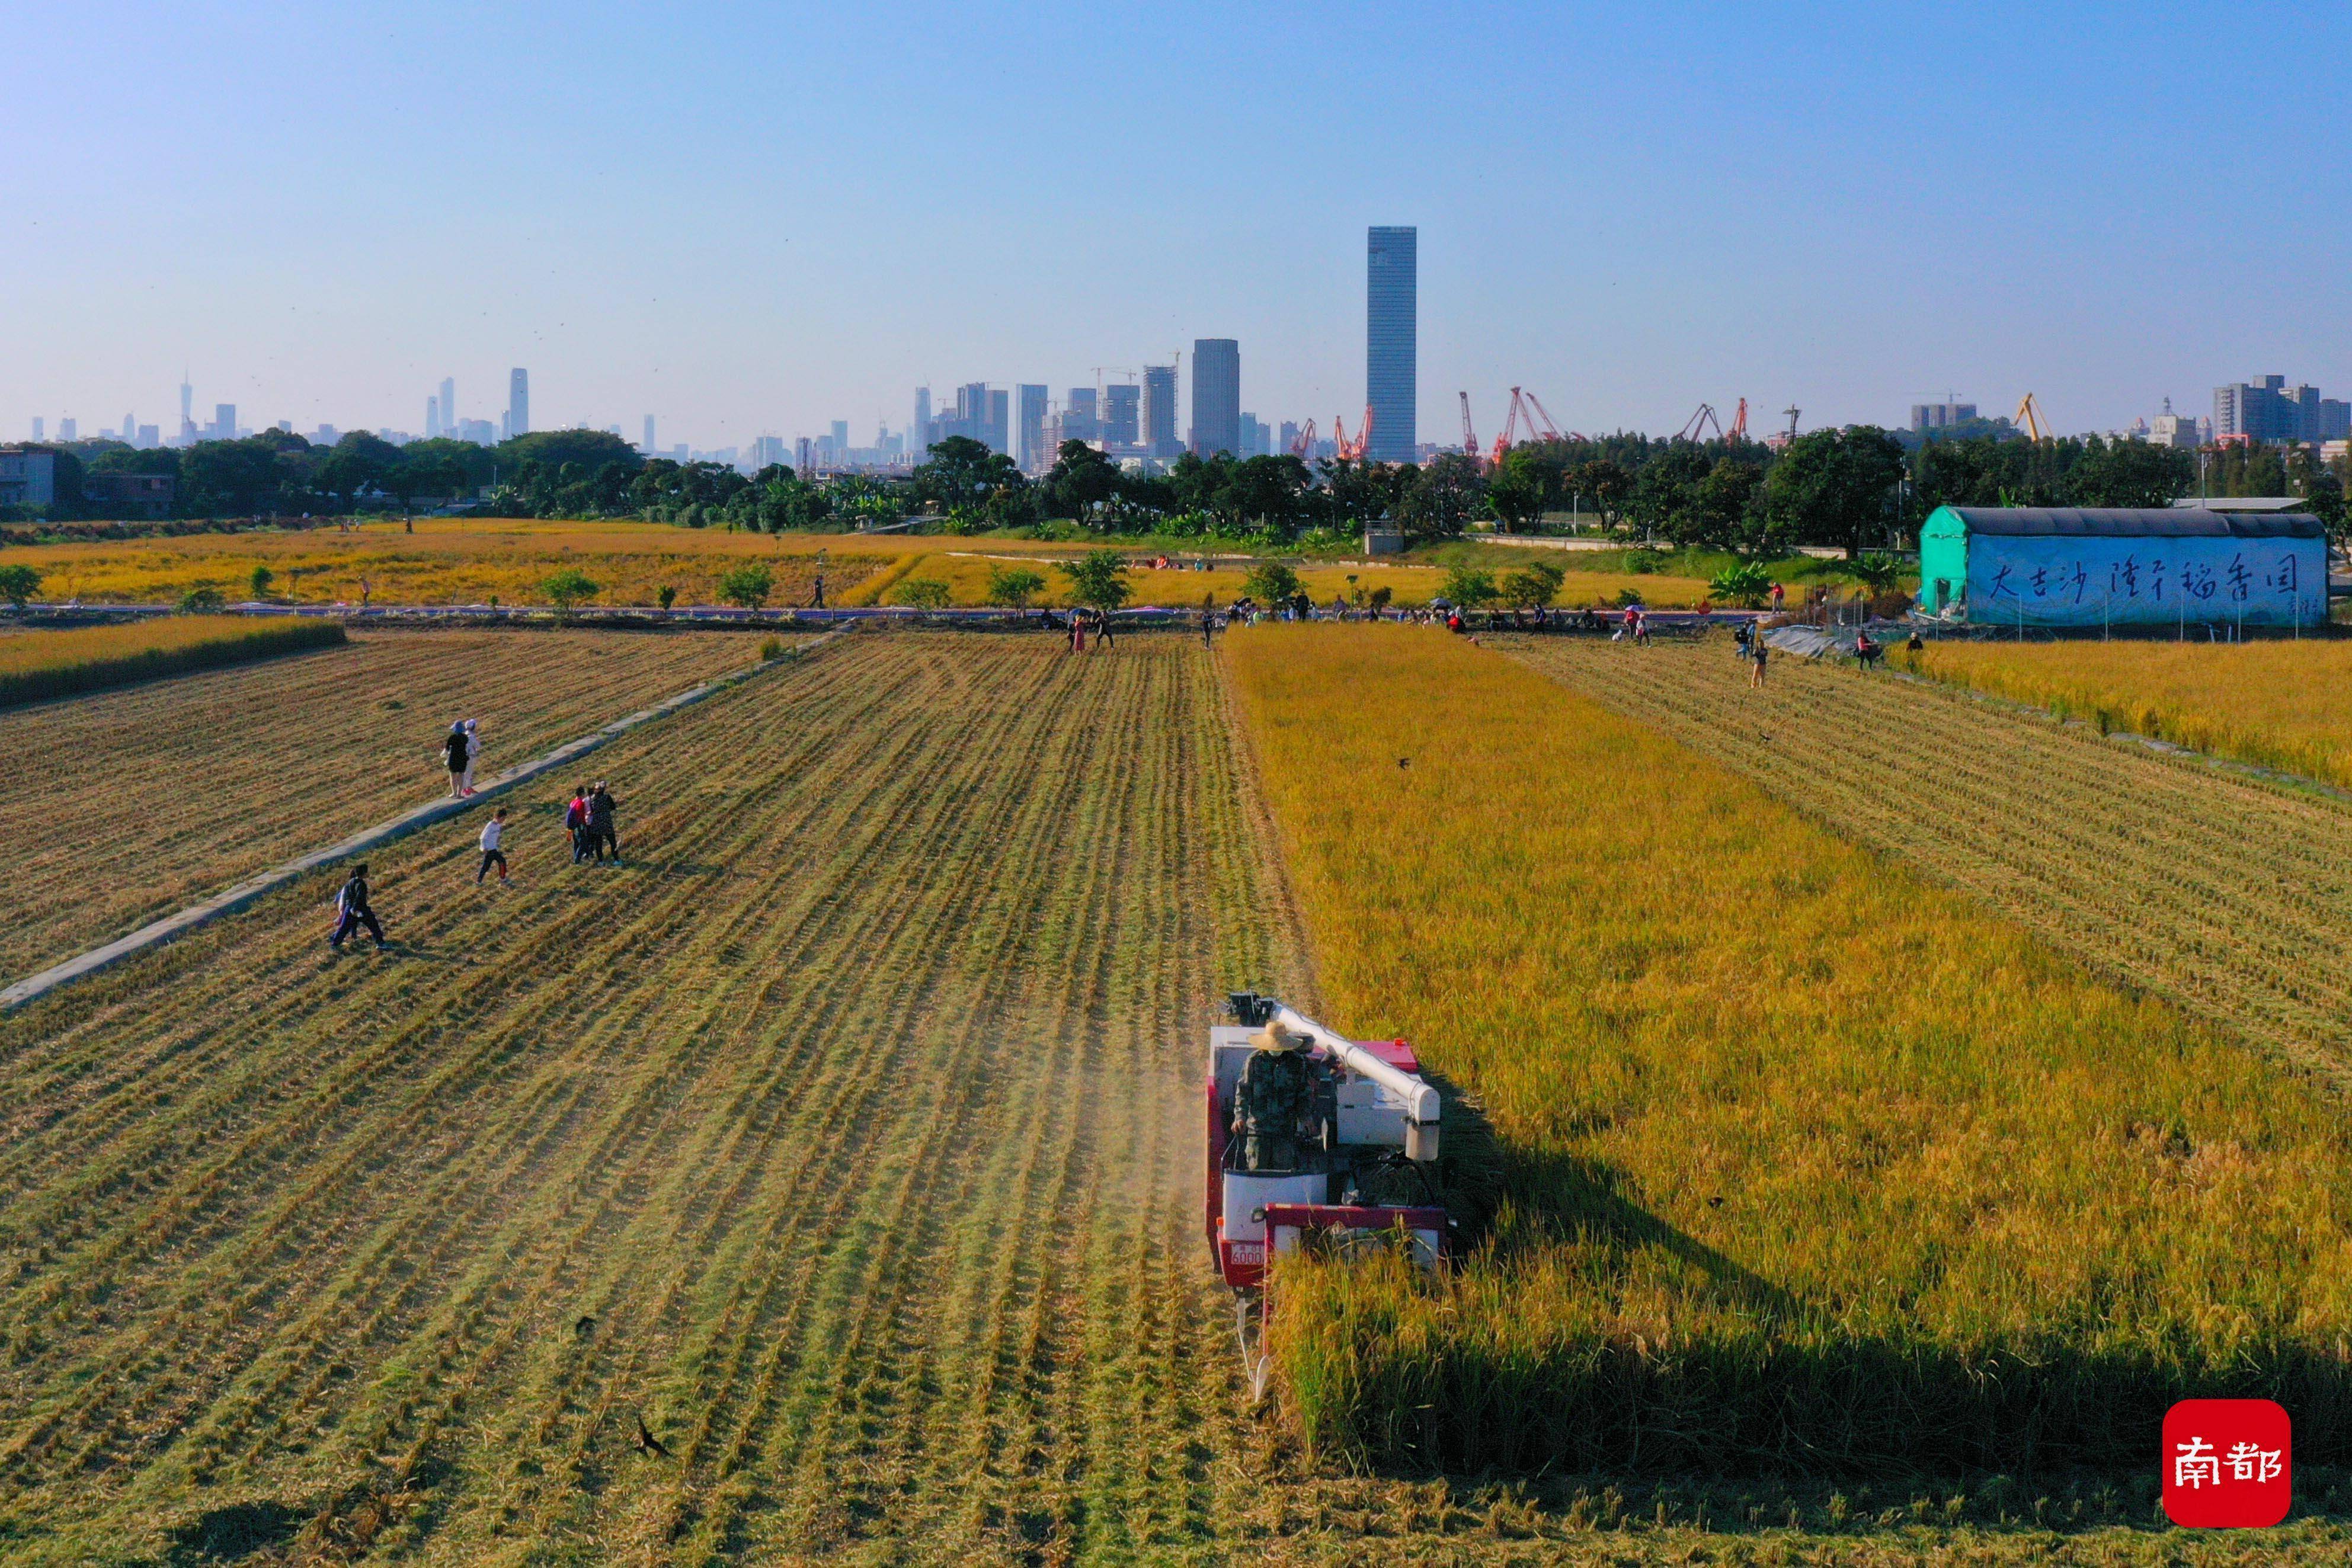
<point x="144" y="498"/>
<point x="2074" y="566"/>
<point x="28" y="475"/>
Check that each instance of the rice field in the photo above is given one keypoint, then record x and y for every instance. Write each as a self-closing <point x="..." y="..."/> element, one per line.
<point x="2285" y="705"/>
<point x="37" y="666"/>
<point x="846" y="1134"/>
<point x="472" y="561"/>
<point x="1803" y="1161"/>
<point x="126" y="804"/>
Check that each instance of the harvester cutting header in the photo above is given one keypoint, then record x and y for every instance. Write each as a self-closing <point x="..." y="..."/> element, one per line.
<point x="1311" y="1133"/>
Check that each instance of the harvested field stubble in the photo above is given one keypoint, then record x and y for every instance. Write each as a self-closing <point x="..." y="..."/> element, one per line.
<point x="2278" y="704"/>
<point x="37" y="666"/>
<point x="127" y="805"/>
<point x="1807" y="1163"/>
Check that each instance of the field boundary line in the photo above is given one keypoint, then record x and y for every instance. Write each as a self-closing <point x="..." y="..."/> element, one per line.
<point x="236" y="896"/>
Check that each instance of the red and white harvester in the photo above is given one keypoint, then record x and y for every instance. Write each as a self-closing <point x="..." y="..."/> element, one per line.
<point x="1366" y="1162"/>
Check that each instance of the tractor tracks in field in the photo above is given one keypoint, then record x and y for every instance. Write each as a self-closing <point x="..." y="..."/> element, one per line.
<point x="2227" y="895"/>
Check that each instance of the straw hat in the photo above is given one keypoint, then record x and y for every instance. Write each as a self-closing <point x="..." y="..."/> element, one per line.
<point x="1278" y="1035"/>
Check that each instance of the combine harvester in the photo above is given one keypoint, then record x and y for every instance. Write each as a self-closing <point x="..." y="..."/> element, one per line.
<point x="1362" y="1172"/>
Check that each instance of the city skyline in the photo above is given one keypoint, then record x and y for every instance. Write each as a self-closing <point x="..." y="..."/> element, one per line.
<point x="1759" y="224"/>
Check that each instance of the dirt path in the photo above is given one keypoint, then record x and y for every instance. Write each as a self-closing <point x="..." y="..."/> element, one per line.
<point x="2230" y="897"/>
<point x="124" y="805"/>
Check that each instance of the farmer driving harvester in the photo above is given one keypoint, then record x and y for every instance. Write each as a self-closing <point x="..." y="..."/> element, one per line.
<point x="1273" y="1100"/>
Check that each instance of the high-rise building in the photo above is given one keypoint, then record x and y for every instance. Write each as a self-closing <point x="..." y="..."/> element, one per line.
<point x="767" y="451"/>
<point x="1119" y="426"/>
<point x="1216" y="396"/>
<point x="518" y="403"/>
<point x="68" y="430"/>
<point x="1159" y="411"/>
<point x="918" y="435"/>
<point x="149" y="437"/>
<point x="1032" y="456"/>
<point x="224" y="425"/>
<point x="1000" y="423"/>
<point x="1256" y="439"/>
<point x="2270" y="410"/>
<point x="433" y="417"/>
<point x="1392" y="346"/>
<point x="40" y="428"/>
<point x="325" y="435"/>
<point x="449" y="405"/>
<point x="1081" y="416"/>
<point x="1926" y="416"/>
<point x="647" y="446"/>
<point x="840" y="439"/>
<point x="1289" y="434"/>
<point x="187" y="412"/>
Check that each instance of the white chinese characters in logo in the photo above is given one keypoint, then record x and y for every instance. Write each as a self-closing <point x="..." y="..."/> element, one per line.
<point x="2196" y="1465"/>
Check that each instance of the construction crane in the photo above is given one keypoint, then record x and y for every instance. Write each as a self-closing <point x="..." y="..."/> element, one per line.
<point x="1469" y="435"/>
<point x="1738" y="431"/>
<point x="2030" y="418"/>
<point x="1700" y="421"/>
<point x="1540" y="422"/>
<point x="1302" y="446"/>
<point x="1791" y="411"/>
<point x="1352" y="451"/>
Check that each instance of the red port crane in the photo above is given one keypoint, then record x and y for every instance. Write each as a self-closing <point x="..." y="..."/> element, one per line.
<point x="1738" y="431"/>
<point x="1700" y="421"/>
<point x="1352" y="451"/>
<point x="1469" y="435"/>
<point x="1302" y="446"/>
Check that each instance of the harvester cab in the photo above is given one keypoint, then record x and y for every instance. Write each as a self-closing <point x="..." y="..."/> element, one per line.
<point x="1356" y="1170"/>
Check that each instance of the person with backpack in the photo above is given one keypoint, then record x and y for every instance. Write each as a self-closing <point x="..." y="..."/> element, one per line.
<point x="601" y="835"/>
<point x="575" y="823"/>
<point x="457" y="754"/>
<point x="352" y="910"/>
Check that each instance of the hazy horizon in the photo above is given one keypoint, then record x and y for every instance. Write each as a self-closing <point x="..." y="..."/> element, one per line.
<point x="757" y="220"/>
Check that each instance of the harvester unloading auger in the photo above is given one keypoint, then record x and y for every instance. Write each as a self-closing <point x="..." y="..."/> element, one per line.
<point x="1339" y="1144"/>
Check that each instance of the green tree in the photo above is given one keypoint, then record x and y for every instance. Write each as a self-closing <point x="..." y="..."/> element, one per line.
<point x="1836" y="486"/>
<point x="2128" y="474"/>
<point x="1531" y="586"/>
<point x="921" y="594"/>
<point x="1444" y="495"/>
<point x="1469" y="587"/>
<point x="1083" y="484"/>
<point x="747" y="585"/>
<point x="665" y="596"/>
<point x="1270" y="583"/>
<point x="1098" y="578"/>
<point x="203" y="599"/>
<point x="18" y="583"/>
<point x="963" y="475"/>
<point x="1012" y="587"/>
<point x="260" y="580"/>
<point x="1745" y="585"/>
<point x="1603" y="484"/>
<point x="1519" y="489"/>
<point x="569" y="587"/>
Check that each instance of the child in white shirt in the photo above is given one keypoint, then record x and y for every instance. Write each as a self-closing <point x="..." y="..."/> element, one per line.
<point x="492" y="832"/>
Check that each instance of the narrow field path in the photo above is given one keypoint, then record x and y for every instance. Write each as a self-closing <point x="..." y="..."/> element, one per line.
<point x="123" y="805"/>
<point x="2231" y="897"/>
<point x="844" y="1133"/>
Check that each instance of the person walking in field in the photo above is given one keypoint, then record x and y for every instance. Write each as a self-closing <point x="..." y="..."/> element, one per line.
<point x="473" y="751"/>
<point x="457" y="754"/>
<point x="1104" y="641"/>
<point x="575" y="823"/>
<point x="601" y="835"/>
<point x="1778" y="594"/>
<point x="1756" y="670"/>
<point x="352" y="910"/>
<point x="1642" y="627"/>
<point x="1077" y="631"/>
<point x="493" y="834"/>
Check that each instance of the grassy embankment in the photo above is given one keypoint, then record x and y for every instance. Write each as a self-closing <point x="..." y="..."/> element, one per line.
<point x="471" y="561"/>
<point x="2285" y="705"/>
<point x="37" y="666"/>
<point x="1803" y="1162"/>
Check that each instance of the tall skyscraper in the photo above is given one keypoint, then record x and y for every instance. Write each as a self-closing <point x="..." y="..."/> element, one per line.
<point x="1216" y="396"/>
<point x="518" y="403"/>
<point x="1082" y="415"/>
<point x="433" y="417"/>
<point x="68" y="430"/>
<point x="187" y="412"/>
<point x="1000" y="423"/>
<point x="647" y="447"/>
<point x="1392" y="349"/>
<point x="1159" y="411"/>
<point x="449" y="405"/>
<point x="40" y="428"/>
<point x="224" y="426"/>
<point x="841" y="440"/>
<point x="1119" y="427"/>
<point x="919" y="435"/>
<point x="1032" y="455"/>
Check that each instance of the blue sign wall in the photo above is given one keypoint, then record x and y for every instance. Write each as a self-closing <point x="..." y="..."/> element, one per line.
<point x="2056" y="581"/>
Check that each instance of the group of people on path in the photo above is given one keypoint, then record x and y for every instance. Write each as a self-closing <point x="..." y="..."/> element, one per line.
<point x="590" y="820"/>
<point x="1084" y="620"/>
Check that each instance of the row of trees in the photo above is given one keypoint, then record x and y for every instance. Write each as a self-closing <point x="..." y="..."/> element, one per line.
<point x="1857" y="489"/>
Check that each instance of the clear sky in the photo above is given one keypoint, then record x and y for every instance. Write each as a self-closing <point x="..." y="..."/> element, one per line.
<point x="757" y="218"/>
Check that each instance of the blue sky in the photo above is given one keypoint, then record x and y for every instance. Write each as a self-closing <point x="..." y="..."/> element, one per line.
<point x="758" y="219"/>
